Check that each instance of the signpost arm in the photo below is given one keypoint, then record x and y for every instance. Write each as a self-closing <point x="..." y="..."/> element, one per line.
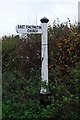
<point x="44" y="55"/>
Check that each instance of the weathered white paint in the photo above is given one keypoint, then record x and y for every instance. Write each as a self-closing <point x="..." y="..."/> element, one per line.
<point x="79" y="12"/>
<point x="44" y="57"/>
<point x="28" y="29"/>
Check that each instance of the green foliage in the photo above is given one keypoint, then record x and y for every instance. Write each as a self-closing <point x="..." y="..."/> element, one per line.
<point x="22" y="82"/>
<point x="9" y="48"/>
<point x="19" y="94"/>
<point x="9" y="43"/>
<point x="21" y="98"/>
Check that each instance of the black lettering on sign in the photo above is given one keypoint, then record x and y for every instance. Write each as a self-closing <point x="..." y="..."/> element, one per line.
<point x="26" y="26"/>
<point x="33" y="27"/>
<point x="21" y="26"/>
<point x="29" y="26"/>
<point x="27" y="30"/>
<point x="38" y="27"/>
<point x="32" y="30"/>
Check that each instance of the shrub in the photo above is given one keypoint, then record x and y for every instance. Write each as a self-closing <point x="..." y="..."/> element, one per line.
<point x="9" y="48"/>
<point x="22" y="82"/>
<point x="21" y="98"/>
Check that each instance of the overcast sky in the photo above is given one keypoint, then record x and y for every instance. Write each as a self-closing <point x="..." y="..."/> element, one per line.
<point x="13" y="12"/>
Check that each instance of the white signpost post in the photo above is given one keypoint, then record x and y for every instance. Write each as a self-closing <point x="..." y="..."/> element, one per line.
<point x="32" y="29"/>
<point x="44" y="55"/>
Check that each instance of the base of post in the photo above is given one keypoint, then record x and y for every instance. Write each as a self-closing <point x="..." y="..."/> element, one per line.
<point x="45" y="99"/>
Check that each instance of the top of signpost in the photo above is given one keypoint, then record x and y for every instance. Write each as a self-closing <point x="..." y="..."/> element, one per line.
<point x="44" y="20"/>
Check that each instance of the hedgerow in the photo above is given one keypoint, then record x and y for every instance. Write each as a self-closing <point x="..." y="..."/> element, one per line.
<point x="21" y="62"/>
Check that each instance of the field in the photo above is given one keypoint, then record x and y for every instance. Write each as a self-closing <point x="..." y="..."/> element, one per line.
<point x="21" y="66"/>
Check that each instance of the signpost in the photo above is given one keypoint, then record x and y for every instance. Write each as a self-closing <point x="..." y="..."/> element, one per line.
<point x="28" y="29"/>
<point x="32" y="29"/>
